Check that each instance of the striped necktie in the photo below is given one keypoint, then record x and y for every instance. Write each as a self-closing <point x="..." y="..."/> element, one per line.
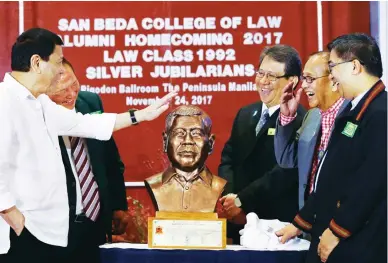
<point x="89" y="187"/>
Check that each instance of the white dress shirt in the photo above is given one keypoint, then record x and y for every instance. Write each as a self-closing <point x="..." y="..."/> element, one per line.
<point x="32" y="175"/>
<point x="354" y="102"/>
<point x="271" y="110"/>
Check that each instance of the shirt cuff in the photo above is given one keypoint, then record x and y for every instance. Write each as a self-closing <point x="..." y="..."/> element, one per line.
<point x="285" y="120"/>
<point x="339" y="231"/>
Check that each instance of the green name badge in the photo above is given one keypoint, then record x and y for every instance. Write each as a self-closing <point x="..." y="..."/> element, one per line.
<point x="350" y="129"/>
<point x="271" y="131"/>
<point x="96" y="112"/>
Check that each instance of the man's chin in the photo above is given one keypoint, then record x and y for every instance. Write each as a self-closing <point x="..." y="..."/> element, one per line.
<point x="313" y="105"/>
<point x="187" y="167"/>
<point x="265" y="99"/>
<point x="68" y="106"/>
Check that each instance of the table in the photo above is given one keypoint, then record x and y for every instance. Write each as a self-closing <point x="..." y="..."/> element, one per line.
<point x="136" y="253"/>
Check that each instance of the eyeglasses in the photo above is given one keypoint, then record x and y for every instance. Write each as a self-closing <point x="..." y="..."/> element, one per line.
<point x="310" y="80"/>
<point x="270" y="76"/>
<point x="332" y="65"/>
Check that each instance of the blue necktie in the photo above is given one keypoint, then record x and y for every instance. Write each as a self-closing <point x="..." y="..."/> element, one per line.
<point x="263" y="119"/>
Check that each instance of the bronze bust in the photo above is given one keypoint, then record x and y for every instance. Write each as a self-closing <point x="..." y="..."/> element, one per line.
<point x="187" y="185"/>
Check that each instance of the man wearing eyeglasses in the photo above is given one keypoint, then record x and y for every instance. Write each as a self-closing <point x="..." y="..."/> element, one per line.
<point x="255" y="182"/>
<point x="303" y="146"/>
<point x="347" y="212"/>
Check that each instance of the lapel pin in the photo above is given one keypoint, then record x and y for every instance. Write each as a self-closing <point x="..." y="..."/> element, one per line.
<point x="350" y="129"/>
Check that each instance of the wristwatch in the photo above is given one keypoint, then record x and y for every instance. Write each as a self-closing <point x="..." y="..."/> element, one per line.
<point x="132" y="115"/>
<point x="237" y="202"/>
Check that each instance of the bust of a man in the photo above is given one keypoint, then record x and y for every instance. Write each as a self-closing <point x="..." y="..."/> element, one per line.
<point x="187" y="185"/>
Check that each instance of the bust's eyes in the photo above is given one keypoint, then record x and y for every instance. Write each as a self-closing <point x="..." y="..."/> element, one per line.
<point x="182" y="132"/>
<point x="179" y="133"/>
<point x="196" y="132"/>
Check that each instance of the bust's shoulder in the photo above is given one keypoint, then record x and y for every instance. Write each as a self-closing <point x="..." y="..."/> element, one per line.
<point x="218" y="182"/>
<point x="155" y="181"/>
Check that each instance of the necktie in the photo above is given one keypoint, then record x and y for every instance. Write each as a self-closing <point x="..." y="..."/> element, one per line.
<point x="89" y="188"/>
<point x="263" y="119"/>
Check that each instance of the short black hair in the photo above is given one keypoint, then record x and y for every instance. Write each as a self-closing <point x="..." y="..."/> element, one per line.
<point x="37" y="41"/>
<point x="287" y="55"/>
<point x="66" y="62"/>
<point x="359" y="46"/>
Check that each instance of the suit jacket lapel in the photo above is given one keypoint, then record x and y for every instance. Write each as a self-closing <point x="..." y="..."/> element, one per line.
<point x="315" y="141"/>
<point x="81" y="106"/>
<point x="249" y="136"/>
<point x="343" y="107"/>
<point x="256" y="114"/>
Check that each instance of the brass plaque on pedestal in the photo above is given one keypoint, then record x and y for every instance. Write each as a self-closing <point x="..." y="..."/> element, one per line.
<point x="186" y="231"/>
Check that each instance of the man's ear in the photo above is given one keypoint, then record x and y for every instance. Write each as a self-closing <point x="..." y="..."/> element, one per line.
<point x="165" y="141"/>
<point x="357" y="67"/>
<point x="212" y="140"/>
<point x="35" y="63"/>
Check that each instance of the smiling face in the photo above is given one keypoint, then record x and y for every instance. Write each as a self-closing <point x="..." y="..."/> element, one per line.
<point x="319" y="90"/>
<point x="269" y="86"/>
<point x="67" y="89"/>
<point x="188" y="144"/>
<point x="342" y="75"/>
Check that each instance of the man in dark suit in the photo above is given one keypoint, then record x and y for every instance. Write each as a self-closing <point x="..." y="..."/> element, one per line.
<point x="255" y="182"/>
<point x="94" y="175"/>
<point x="347" y="212"/>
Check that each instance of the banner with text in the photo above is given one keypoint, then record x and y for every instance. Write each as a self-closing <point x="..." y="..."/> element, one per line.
<point x="132" y="53"/>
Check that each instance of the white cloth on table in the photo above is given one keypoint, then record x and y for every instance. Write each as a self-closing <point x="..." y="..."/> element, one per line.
<point x="260" y="234"/>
